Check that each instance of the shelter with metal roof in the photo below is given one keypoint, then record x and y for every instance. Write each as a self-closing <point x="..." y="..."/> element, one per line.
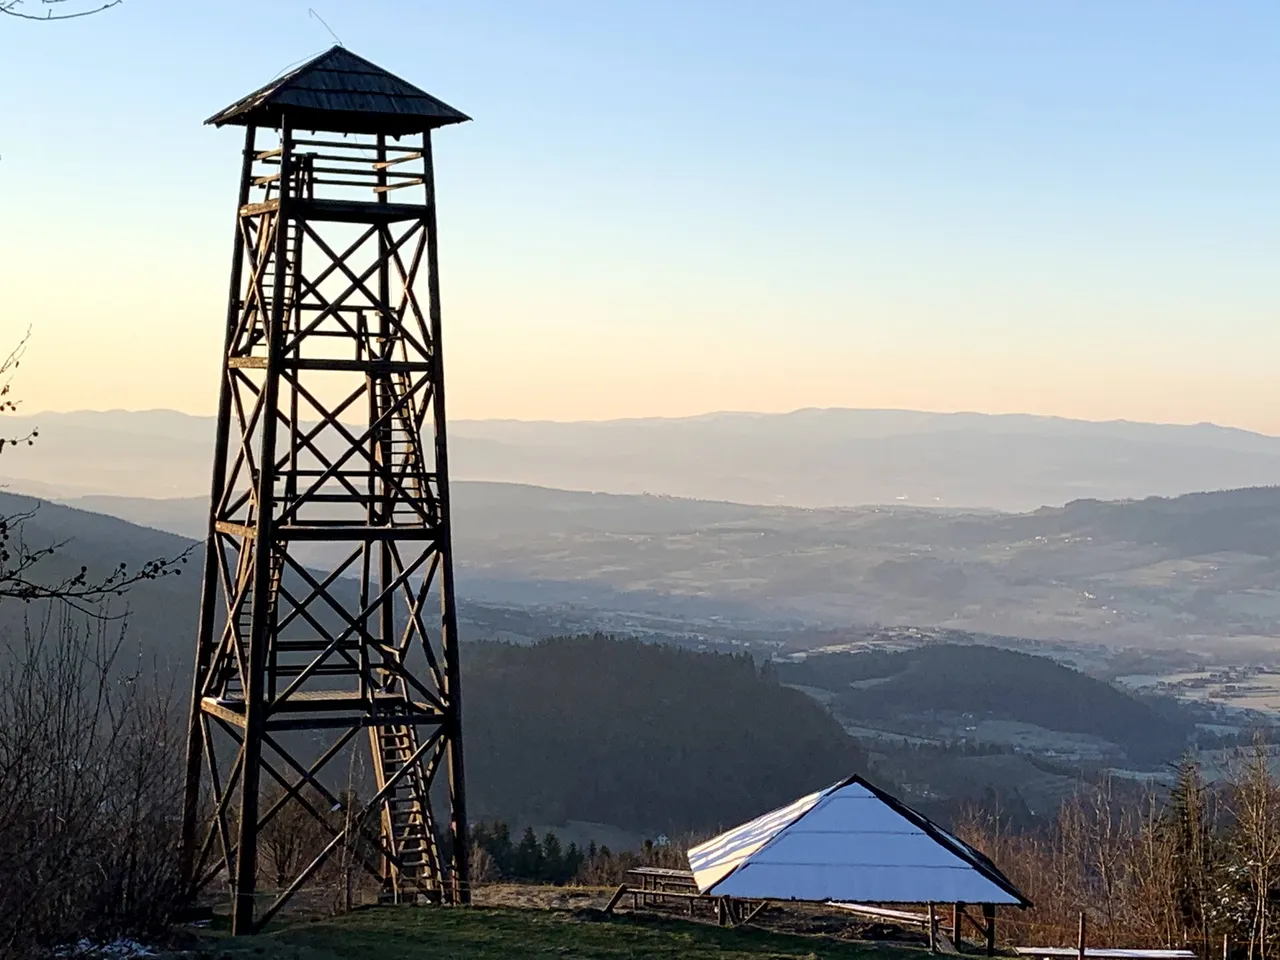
<point x="851" y="842"/>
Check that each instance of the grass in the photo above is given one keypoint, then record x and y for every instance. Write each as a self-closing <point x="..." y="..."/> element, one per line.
<point x="478" y="933"/>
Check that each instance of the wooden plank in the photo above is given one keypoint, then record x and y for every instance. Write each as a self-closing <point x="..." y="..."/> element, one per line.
<point x="661" y="872"/>
<point x="383" y="164"/>
<point x="350" y="144"/>
<point x="358" y="211"/>
<point x="1106" y="953"/>
<point x="352" y="532"/>
<point x="257" y="209"/>
<point x="883" y="913"/>
<point x="678" y="894"/>
<point x="396" y="186"/>
<point x="211" y="706"/>
<point x="356" y="366"/>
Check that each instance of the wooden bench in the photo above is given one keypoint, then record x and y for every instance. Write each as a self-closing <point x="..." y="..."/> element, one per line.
<point x="931" y="922"/>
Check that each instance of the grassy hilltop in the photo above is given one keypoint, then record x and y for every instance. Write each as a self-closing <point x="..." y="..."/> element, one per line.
<point x="407" y="933"/>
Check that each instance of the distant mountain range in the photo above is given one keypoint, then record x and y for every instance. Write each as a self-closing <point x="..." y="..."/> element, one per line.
<point x="809" y="458"/>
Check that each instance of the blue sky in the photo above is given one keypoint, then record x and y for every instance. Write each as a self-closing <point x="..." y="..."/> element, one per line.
<point x="669" y="208"/>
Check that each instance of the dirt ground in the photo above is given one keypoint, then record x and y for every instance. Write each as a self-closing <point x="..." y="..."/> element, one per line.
<point x="778" y="917"/>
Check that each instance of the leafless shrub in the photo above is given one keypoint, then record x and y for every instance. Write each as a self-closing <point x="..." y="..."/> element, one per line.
<point x="88" y="790"/>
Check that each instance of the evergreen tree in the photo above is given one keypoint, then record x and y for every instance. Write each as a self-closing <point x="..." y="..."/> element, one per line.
<point x="1190" y="831"/>
<point x="552" y="859"/>
<point x="528" y="857"/>
<point x="502" y="852"/>
<point x="573" y="861"/>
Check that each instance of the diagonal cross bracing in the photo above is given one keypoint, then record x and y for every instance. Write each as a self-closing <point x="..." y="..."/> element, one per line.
<point x="329" y="546"/>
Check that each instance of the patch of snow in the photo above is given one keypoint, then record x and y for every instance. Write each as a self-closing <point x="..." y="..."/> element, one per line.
<point x="119" y="949"/>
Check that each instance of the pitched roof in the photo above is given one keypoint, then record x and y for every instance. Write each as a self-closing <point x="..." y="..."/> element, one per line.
<point x="850" y="842"/>
<point x="339" y="91"/>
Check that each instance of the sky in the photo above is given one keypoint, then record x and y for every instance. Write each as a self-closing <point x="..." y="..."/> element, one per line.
<point x="670" y="207"/>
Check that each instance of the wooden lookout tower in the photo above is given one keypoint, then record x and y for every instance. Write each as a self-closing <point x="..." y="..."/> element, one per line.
<point x="326" y="681"/>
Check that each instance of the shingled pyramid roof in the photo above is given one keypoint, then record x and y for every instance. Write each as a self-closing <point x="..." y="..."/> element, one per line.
<point x="851" y="842"/>
<point x="341" y="92"/>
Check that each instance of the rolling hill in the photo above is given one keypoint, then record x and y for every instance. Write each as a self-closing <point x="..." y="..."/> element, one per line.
<point x="1192" y="570"/>
<point x="935" y="686"/>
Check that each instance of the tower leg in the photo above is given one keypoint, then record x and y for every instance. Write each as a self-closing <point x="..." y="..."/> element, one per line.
<point x="459" y="835"/>
<point x="264" y="536"/>
<point x="205" y="639"/>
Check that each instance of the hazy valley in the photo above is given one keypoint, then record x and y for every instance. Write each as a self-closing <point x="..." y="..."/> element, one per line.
<point x="1196" y="571"/>
<point x="809" y="458"/>
<point x="1160" y="612"/>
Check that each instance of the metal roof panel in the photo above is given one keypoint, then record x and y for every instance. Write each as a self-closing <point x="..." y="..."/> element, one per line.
<point x="849" y="842"/>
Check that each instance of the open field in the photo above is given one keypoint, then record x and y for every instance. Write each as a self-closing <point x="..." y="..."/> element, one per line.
<point x="1240" y="688"/>
<point x="495" y="933"/>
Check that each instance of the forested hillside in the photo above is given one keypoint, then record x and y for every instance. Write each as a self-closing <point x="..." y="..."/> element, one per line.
<point x="984" y="682"/>
<point x="639" y="735"/>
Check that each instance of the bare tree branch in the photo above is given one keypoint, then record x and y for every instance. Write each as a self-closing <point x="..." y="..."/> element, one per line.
<point x="81" y="592"/>
<point x="18" y="561"/>
<point x="10" y="8"/>
<point x="8" y="367"/>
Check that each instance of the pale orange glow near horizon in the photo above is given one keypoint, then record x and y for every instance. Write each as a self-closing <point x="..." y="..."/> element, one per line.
<point x="504" y="383"/>
<point x="915" y="240"/>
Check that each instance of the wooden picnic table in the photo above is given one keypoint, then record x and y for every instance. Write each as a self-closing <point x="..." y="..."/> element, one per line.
<point x="656" y="884"/>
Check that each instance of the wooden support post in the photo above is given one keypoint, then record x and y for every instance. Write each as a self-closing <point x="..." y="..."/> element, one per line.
<point x="613" y="901"/>
<point x="720" y="911"/>
<point x="957" y="914"/>
<point x="989" y="920"/>
<point x="1080" y="938"/>
<point x="933" y="928"/>
<point x="1226" y="947"/>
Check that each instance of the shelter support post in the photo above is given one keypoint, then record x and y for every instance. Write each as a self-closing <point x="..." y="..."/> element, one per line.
<point x="989" y="921"/>
<point x="933" y="928"/>
<point x="957" y="915"/>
